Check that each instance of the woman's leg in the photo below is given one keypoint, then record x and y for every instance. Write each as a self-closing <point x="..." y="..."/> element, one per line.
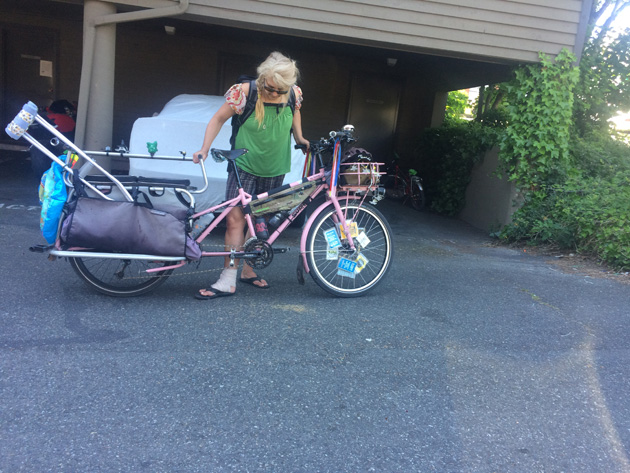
<point x="226" y="283"/>
<point x="262" y="184"/>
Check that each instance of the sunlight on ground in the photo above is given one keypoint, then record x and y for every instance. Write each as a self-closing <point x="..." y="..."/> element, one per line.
<point x="505" y="393"/>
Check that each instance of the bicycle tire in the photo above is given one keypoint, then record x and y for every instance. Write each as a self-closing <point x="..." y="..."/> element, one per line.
<point x="104" y="275"/>
<point x="378" y="252"/>
<point x="417" y="196"/>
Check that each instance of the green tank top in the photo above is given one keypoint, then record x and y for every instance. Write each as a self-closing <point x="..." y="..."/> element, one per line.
<point x="269" y="145"/>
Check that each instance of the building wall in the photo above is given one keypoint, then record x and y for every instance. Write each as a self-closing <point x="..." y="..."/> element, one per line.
<point x="506" y="30"/>
<point x="66" y="29"/>
<point x="205" y="57"/>
<point x="439" y="46"/>
<point x="152" y="68"/>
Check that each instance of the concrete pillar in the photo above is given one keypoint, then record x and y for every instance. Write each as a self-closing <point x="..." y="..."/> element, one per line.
<point x="490" y="200"/>
<point x="100" y="53"/>
<point x="439" y="109"/>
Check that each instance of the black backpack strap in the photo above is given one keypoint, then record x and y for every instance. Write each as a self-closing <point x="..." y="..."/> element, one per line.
<point x="291" y="101"/>
<point x="250" y="106"/>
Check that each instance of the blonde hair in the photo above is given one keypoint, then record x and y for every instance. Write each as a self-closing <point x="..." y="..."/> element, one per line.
<point x="282" y="71"/>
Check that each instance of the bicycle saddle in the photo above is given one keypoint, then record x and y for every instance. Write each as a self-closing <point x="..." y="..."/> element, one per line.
<point x="220" y="155"/>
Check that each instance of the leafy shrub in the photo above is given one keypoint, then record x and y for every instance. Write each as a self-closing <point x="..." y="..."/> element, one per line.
<point x="576" y="185"/>
<point x="577" y="190"/>
<point x="535" y="146"/>
<point x="446" y="156"/>
<point x="455" y="106"/>
<point x="496" y="118"/>
<point x="597" y="155"/>
<point x="587" y="214"/>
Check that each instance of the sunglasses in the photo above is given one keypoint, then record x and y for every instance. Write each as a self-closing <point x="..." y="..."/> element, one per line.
<point x="271" y="90"/>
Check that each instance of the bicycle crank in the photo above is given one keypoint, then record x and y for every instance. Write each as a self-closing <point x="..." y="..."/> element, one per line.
<point x="258" y="253"/>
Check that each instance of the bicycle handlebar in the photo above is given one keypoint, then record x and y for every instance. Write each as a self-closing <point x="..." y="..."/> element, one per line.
<point x="345" y="134"/>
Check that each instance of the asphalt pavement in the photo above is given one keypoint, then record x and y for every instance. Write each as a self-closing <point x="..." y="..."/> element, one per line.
<point x="469" y="357"/>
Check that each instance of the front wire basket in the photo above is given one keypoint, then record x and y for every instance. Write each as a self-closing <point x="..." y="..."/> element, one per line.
<point x="359" y="176"/>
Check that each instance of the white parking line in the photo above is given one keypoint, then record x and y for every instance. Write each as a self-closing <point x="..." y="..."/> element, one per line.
<point x="8" y="206"/>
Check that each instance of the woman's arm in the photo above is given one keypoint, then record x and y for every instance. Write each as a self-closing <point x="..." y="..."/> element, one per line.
<point x="297" y="129"/>
<point x="212" y="130"/>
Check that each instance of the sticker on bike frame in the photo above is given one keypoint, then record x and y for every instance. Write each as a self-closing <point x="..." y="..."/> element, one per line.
<point x="332" y="238"/>
<point x="363" y="239"/>
<point x="362" y="262"/>
<point x="347" y="265"/>
<point x="345" y="274"/>
<point x="354" y="230"/>
<point x="332" y="254"/>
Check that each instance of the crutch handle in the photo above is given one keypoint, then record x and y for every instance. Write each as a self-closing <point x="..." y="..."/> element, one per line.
<point x="22" y="121"/>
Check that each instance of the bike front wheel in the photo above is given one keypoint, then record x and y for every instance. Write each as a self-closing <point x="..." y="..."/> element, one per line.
<point x="120" y="277"/>
<point x="341" y="270"/>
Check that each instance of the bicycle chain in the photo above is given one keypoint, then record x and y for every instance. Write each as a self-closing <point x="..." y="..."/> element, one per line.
<point x="195" y="271"/>
<point x="198" y="271"/>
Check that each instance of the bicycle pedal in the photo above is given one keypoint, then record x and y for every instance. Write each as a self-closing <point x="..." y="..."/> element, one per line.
<point x="280" y="250"/>
<point x="40" y="248"/>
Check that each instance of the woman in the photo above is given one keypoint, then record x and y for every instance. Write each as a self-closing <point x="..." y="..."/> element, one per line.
<point x="266" y="134"/>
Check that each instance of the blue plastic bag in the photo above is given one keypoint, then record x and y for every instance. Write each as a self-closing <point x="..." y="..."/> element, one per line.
<point x="52" y="197"/>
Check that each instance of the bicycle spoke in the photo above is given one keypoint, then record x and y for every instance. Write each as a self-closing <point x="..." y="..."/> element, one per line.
<point x="119" y="277"/>
<point x="372" y="260"/>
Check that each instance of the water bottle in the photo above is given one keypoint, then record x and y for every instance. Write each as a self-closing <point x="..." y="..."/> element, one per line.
<point x="201" y="224"/>
<point x="277" y="219"/>
<point x="261" y="228"/>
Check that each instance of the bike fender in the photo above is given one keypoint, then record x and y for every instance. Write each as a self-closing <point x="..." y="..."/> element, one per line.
<point x="309" y="223"/>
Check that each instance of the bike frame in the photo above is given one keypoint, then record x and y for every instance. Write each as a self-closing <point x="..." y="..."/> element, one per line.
<point x="243" y="199"/>
<point x="405" y="180"/>
<point x="28" y="115"/>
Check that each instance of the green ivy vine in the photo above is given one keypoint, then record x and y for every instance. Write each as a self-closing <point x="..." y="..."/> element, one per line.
<point x="535" y="146"/>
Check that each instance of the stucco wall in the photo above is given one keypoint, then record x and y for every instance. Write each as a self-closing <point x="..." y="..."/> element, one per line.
<point x="490" y="200"/>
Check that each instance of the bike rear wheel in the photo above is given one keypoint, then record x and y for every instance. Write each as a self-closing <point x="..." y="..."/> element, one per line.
<point x="417" y="195"/>
<point x="394" y="188"/>
<point x="373" y="256"/>
<point x="120" y="277"/>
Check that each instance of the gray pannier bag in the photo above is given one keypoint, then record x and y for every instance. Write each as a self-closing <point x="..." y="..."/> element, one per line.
<point x="127" y="227"/>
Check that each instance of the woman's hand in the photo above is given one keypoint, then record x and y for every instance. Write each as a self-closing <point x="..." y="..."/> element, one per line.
<point x="297" y="131"/>
<point x="200" y="156"/>
<point x="304" y="142"/>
